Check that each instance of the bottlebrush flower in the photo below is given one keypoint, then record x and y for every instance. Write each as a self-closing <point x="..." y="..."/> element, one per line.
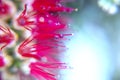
<point x="7" y="9"/>
<point x="42" y="17"/>
<point x="24" y="19"/>
<point x="47" y="36"/>
<point x="25" y="49"/>
<point x="44" y="6"/>
<point x="6" y="37"/>
<point x="46" y="71"/>
<point x="49" y="23"/>
<point x="33" y="48"/>
<point x="2" y="63"/>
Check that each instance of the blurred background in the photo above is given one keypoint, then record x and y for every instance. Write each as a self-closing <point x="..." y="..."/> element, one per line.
<point x="93" y="50"/>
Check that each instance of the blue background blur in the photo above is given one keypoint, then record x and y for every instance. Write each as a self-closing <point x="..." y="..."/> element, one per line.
<point x="94" y="49"/>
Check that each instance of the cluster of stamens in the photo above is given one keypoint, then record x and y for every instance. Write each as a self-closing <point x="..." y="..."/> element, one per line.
<point x="46" y="39"/>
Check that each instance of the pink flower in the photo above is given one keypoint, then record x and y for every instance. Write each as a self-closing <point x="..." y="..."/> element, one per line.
<point x="44" y="14"/>
<point x="2" y="63"/>
<point x="24" y="19"/>
<point x="44" y="6"/>
<point x="4" y="8"/>
<point x="43" y="70"/>
<point x="34" y="48"/>
<point x="25" y="49"/>
<point x="6" y="36"/>
<point x="7" y="9"/>
<point x="47" y="36"/>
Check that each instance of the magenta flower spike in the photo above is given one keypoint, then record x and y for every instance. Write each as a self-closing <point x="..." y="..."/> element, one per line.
<point x="24" y="19"/>
<point x="47" y="37"/>
<point x="2" y="63"/>
<point x="28" y="48"/>
<point x="6" y="36"/>
<point x="4" y="8"/>
<point x="48" y="23"/>
<point x="30" y="21"/>
<point x="40" y="69"/>
<point x="35" y="18"/>
<point x="25" y="49"/>
<point x="7" y="9"/>
<point x="44" y="6"/>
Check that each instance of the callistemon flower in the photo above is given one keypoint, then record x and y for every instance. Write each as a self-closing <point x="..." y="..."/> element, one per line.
<point x="44" y="6"/>
<point x="24" y="19"/>
<point x="7" y="9"/>
<point x="49" y="23"/>
<point x="47" y="37"/>
<point x="46" y="71"/>
<point x="6" y="36"/>
<point x="34" y="48"/>
<point x="2" y="63"/>
<point x="25" y="49"/>
<point x="44" y="13"/>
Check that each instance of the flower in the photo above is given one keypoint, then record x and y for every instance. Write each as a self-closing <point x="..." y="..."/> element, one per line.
<point x="24" y="19"/>
<point x="4" y="8"/>
<point x="7" y="9"/>
<point x="44" y="6"/>
<point x="43" y="70"/>
<point x="6" y="36"/>
<point x="47" y="35"/>
<point x="34" y="48"/>
<point x="2" y="63"/>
